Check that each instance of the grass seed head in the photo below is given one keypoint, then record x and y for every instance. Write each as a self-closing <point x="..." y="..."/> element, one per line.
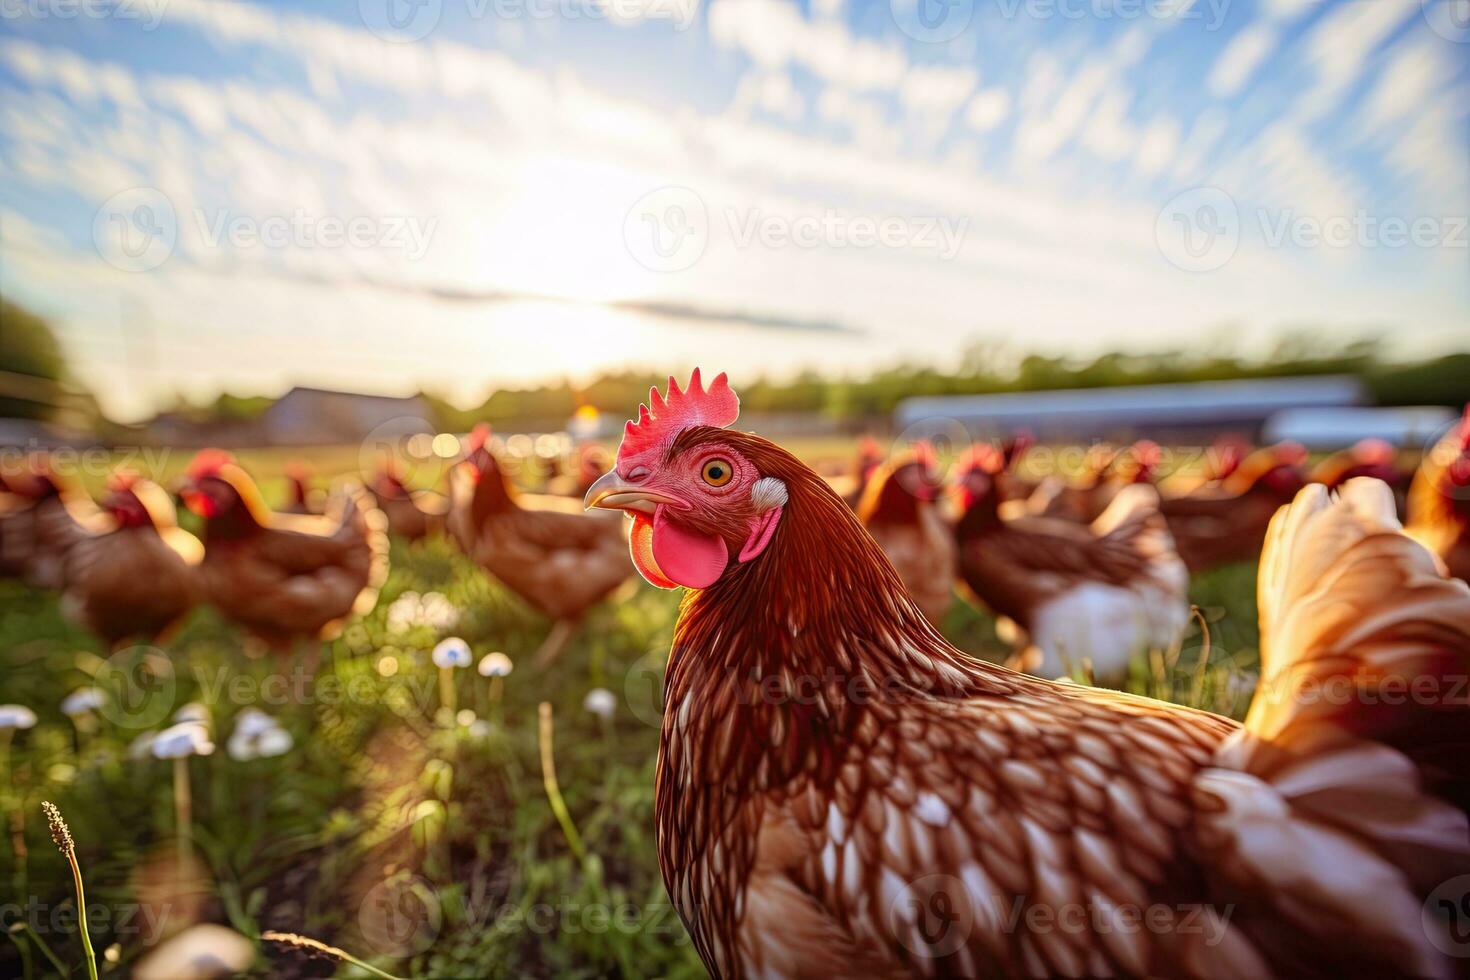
<point x="60" y="833"/>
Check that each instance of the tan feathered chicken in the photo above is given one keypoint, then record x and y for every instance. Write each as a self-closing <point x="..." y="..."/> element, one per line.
<point x="1439" y="500"/>
<point x="140" y="577"/>
<point x="1366" y="457"/>
<point x="841" y="794"/>
<point x="901" y="510"/>
<point x="560" y="563"/>
<point x="1081" y="595"/>
<point x="285" y="577"/>
<point x="1107" y="471"/>
<point x="1227" y="522"/>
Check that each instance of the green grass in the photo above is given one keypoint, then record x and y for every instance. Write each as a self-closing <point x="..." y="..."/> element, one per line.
<point x="425" y="849"/>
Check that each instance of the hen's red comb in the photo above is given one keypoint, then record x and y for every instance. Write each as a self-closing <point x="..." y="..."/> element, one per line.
<point x="478" y="436"/>
<point x="209" y="462"/>
<point x="982" y="456"/>
<point x="868" y="448"/>
<point x="1374" y="452"/>
<point x="664" y="417"/>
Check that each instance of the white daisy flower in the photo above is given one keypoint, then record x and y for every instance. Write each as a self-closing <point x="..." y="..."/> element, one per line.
<point x="182" y="740"/>
<point x="600" y="702"/>
<point x="16" y="716"/>
<point x="452" y="652"/>
<point x="495" y="665"/>
<point x="81" y="701"/>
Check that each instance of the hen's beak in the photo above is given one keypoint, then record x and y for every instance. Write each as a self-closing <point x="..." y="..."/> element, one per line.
<point x="610" y="492"/>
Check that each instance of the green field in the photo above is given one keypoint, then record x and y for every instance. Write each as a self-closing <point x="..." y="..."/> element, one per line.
<point x="420" y="839"/>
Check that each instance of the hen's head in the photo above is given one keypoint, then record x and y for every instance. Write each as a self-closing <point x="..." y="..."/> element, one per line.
<point x="698" y="493"/>
<point x="215" y="485"/>
<point x="975" y="475"/>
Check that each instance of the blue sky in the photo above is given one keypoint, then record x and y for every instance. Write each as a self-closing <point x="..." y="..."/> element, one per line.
<point x="223" y="195"/>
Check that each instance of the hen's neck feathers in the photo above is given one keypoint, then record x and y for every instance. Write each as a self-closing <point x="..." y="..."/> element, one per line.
<point x="784" y="653"/>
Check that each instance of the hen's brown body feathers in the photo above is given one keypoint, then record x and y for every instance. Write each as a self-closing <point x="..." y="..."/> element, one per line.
<point x="561" y="561"/>
<point x="840" y="793"/>
<point x="287" y="577"/>
<point x="1096" y="594"/>
<point x="134" y="581"/>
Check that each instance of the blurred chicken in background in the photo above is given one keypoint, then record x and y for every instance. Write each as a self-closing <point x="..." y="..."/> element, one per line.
<point x="412" y="514"/>
<point x="558" y="559"/>
<point x="44" y="515"/>
<point x="1226" y="522"/>
<point x="1083" y="597"/>
<point x="1367" y="457"/>
<point x="286" y="578"/>
<point x="1106" y="470"/>
<point x="138" y="578"/>
<point x="900" y="508"/>
<point x="1439" y="500"/>
<point x="870" y="456"/>
<point x="302" y="498"/>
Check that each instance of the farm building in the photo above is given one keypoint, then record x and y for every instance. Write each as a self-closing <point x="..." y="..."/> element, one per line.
<point x="318" y="417"/>
<point x="1177" y="412"/>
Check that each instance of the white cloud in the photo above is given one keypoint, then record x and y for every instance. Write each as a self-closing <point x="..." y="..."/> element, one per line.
<point x="1240" y="59"/>
<point x="774" y="34"/>
<point x="1157" y="148"/>
<point x="932" y="94"/>
<point x="1108" y="135"/>
<point x="769" y="92"/>
<point x="1414" y="71"/>
<point x="988" y="109"/>
<point x="1204" y="134"/>
<point x="1339" y="45"/>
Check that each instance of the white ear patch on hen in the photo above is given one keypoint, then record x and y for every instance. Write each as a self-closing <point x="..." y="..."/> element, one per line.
<point x="768" y="494"/>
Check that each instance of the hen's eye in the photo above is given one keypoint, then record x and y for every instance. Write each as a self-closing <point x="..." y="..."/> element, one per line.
<point x="717" y="472"/>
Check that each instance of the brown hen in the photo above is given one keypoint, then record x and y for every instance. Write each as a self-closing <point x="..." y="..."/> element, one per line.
<point x="560" y="561"/>
<point x="139" y="578"/>
<point x="900" y="509"/>
<point x="842" y="794"/>
<point x="1081" y="596"/>
<point x="1439" y="500"/>
<point x="1215" y="525"/>
<point x="285" y="577"/>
